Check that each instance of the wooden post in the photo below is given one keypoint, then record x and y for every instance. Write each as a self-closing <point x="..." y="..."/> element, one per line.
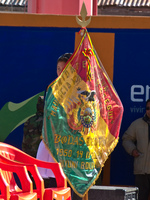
<point x="85" y="196"/>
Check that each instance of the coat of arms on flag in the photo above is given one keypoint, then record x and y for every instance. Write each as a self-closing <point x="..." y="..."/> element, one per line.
<point x="82" y="117"/>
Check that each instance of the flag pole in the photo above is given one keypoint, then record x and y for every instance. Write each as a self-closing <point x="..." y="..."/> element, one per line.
<point x="83" y="23"/>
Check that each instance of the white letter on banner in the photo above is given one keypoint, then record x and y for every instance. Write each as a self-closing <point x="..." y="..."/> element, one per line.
<point x="147" y="92"/>
<point x="133" y="93"/>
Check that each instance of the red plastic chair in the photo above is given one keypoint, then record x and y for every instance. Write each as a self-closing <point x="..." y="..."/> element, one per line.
<point x="8" y="186"/>
<point x="12" y="155"/>
<point x="4" y="187"/>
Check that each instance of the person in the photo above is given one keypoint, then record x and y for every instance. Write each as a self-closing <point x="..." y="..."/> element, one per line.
<point x="136" y="141"/>
<point x="33" y="130"/>
<point x="43" y="153"/>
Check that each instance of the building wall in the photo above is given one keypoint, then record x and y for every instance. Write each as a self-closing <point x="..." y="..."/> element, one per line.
<point x="30" y="46"/>
<point x="124" y="10"/>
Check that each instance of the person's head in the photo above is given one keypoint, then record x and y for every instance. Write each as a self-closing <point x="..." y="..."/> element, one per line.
<point x="61" y="62"/>
<point x="148" y="108"/>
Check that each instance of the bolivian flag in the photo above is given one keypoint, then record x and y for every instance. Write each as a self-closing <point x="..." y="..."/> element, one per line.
<point x="82" y="117"/>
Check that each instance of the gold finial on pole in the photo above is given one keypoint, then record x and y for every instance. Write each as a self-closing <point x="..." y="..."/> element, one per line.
<point x="83" y="23"/>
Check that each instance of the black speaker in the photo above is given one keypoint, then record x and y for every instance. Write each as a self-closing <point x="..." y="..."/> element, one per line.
<point x="110" y="193"/>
